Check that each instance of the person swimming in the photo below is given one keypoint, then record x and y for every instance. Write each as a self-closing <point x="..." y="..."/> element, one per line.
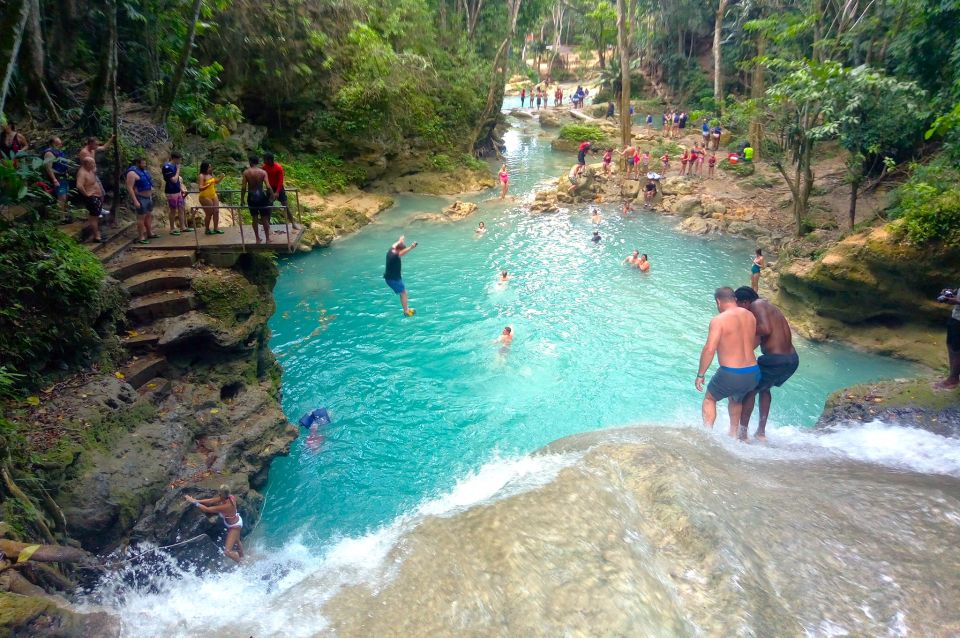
<point x="504" y="276"/>
<point x="595" y="216"/>
<point x="632" y="258"/>
<point x="596" y="237"/>
<point x="506" y="337"/>
<point x="642" y="263"/>
<point x="481" y="228"/>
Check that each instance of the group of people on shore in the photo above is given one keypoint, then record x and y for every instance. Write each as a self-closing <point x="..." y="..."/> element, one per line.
<point x="261" y="188"/>
<point x="538" y="97"/>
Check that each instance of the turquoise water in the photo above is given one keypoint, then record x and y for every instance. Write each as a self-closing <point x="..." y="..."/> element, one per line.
<point x="419" y="402"/>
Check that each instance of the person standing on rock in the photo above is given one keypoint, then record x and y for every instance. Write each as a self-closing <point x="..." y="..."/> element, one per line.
<point x="953" y="342"/>
<point x="275" y="178"/>
<point x="628" y="153"/>
<point x="224" y="504"/>
<point x="504" y="177"/>
<point x="755" y="269"/>
<point x="712" y="165"/>
<point x="255" y="181"/>
<point x="582" y="151"/>
<point x="539" y="97"/>
<point x="778" y="361"/>
<point x="649" y="193"/>
<point x="731" y="340"/>
<point x="523" y="96"/>
<point x="392" y="274"/>
<point x="716" y="136"/>
<point x="611" y="110"/>
<point x="91" y="192"/>
<point x="140" y="190"/>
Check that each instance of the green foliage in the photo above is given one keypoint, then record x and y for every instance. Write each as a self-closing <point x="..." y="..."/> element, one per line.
<point x="929" y="204"/>
<point x="740" y="169"/>
<point x="194" y="108"/>
<point x="51" y="291"/>
<point x="322" y="172"/>
<point x="582" y="133"/>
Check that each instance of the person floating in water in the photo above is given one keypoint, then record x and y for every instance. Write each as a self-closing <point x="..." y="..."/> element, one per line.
<point x="391" y="274"/>
<point x="481" y="228"/>
<point x="596" y="237"/>
<point x="642" y="263"/>
<point x="504" y="177"/>
<point x="758" y="264"/>
<point x="225" y="505"/>
<point x="778" y="361"/>
<point x="731" y="339"/>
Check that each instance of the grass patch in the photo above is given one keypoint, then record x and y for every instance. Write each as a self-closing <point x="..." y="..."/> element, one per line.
<point x="324" y="173"/>
<point x="583" y="133"/>
<point x="740" y="169"/>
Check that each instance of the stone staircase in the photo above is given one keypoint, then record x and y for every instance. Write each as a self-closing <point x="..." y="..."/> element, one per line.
<point x="158" y="283"/>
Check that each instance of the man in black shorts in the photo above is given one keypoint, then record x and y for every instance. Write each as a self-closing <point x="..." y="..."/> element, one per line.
<point x="582" y="151"/>
<point x="260" y="197"/>
<point x="953" y="342"/>
<point x="779" y="359"/>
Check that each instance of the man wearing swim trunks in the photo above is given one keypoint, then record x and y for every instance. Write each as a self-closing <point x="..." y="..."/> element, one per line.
<point x="628" y="153"/>
<point x="731" y="339"/>
<point x="392" y="275"/>
<point x="91" y="192"/>
<point x="275" y="179"/>
<point x="255" y="181"/>
<point x="779" y="359"/>
<point x="56" y="167"/>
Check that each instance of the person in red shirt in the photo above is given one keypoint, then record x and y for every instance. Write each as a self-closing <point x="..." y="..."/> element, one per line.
<point x="275" y="178"/>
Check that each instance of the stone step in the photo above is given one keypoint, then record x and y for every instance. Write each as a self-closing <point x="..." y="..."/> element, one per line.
<point x="141" y="342"/>
<point x="143" y="369"/>
<point x="155" y="390"/>
<point x="160" y="305"/>
<point x="118" y="240"/>
<point x="158" y="280"/>
<point x="141" y="261"/>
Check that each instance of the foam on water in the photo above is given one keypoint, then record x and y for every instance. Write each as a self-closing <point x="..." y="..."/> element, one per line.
<point x="282" y="591"/>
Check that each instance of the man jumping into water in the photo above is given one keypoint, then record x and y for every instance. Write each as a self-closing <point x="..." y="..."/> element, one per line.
<point x="731" y="338"/>
<point x="779" y="359"/>
<point x="391" y="273"/>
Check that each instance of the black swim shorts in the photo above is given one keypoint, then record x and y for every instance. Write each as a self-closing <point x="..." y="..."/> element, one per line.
<point x="776" y="369"/>
<point x="733" y="383"/>
<point x="953" y="334"/>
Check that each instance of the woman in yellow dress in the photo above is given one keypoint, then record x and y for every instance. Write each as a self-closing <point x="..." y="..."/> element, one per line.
<point x="208" y="199"/>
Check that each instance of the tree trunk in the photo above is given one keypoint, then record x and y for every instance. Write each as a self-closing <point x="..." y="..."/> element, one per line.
<point x="12" y="25"/>
<point x="115" y="202"/>
<point x="90" y="120"/>
<point x="483" y="133"/>
<point x="36" y="61"/>
<point x="757" y="90"/>
<point x="182" y="64"/>
<point x="626" y="126"/>
<point x="717" y="72"/>
<point x="854" y="190"/>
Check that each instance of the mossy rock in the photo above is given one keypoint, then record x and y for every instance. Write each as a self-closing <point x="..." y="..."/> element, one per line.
<point x="913" y="402"/>
<point x="228" y="296"/>
<point x="42" y="618"/>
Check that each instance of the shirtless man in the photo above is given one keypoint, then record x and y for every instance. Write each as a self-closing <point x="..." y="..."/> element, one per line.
<point x="91" y="191"/>
<point x="255" y="181"/>
<point x="731" y="338"/>
<point x="92" y="147"/>
<point x="632" y="258"/>
<point x="779" y="359"/>
<point x="506" y="337"/>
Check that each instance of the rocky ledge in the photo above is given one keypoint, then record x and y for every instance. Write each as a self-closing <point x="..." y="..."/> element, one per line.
<point x="910" y="402"/>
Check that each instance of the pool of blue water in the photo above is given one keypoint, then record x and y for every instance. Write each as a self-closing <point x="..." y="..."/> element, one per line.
<point x="419" y="402"/>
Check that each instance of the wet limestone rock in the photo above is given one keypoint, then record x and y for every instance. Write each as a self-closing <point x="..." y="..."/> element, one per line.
<point x="687" y="205"/>
<point x="676" y="185"/>
<point x="459" y="210"/>
<point x="700" y="226"/>
<point x="43" y="617"/>
<point x="522" y="114"/>
<point x="909" y="402"/>
<point x="549" y="119"/>
<point x="631" y="188"/>
<point x="545" y="202"/>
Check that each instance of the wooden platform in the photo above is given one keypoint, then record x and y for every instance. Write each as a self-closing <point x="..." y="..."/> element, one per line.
<point x="229" y="241"/>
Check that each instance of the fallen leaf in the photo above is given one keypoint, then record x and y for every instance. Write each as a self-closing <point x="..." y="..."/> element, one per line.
<point x="215" y="411"/>
<point x="118" y="375"/>
<point x="133" y="333"/>
<point x="33" y="400"/>
<point x="151" y="386"/>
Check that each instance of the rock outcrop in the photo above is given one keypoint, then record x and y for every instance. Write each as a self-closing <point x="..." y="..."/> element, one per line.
<point x="454" y="212"/>
<point x="913" y="402"/>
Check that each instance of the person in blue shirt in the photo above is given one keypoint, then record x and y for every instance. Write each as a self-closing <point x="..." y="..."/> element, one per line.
<point x="139" y="185"/>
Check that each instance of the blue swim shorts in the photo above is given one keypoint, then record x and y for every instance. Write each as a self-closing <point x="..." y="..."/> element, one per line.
<point x="396" y="285"/>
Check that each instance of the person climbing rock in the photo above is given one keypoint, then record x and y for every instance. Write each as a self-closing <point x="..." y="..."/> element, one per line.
<point x="224" y="504"/>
